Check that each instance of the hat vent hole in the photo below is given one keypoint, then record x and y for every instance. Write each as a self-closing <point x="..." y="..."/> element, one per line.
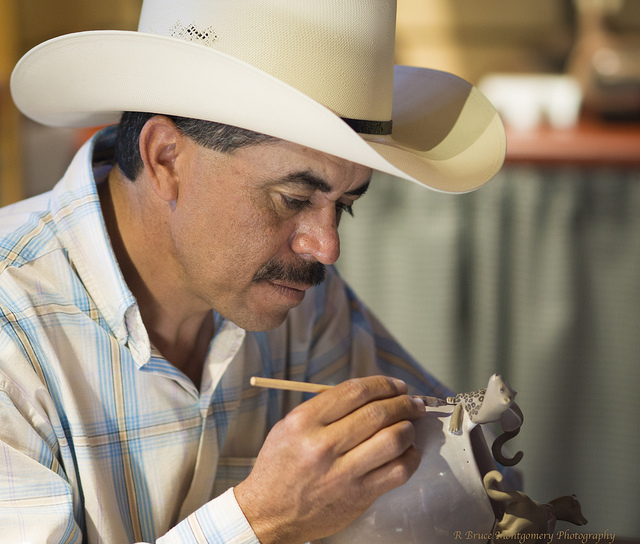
<point x="206" y="36"/>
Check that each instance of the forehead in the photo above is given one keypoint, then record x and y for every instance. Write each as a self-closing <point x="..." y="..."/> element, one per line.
<point x="281" y="162"/>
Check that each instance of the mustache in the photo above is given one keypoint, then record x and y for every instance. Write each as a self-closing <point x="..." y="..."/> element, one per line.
<point x="302" y="272"/>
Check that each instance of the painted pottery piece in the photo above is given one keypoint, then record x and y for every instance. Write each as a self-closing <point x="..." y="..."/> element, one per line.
<point x="445" y="500"/>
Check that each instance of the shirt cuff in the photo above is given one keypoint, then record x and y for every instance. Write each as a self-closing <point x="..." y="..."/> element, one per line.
<point x="220" y="521"/>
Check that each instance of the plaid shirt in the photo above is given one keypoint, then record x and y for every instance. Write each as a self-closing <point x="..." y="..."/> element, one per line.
<point x="102" y="440"/>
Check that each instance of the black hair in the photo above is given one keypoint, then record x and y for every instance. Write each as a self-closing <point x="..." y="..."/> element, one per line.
<point x="217" y="136"/>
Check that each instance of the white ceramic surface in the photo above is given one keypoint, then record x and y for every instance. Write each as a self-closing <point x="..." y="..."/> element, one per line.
<point x="443" y="501"/>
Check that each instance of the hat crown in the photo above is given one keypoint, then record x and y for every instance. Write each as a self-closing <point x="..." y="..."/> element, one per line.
<point x="338" y="52"/>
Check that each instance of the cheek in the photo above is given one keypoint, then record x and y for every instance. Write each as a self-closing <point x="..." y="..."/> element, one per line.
<point x="257" y="228"/>
<point x="235" y="241"/>
<point x="229" y="231"/>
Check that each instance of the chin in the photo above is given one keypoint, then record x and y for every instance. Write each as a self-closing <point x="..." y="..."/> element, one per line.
<point x="256" y="323"/>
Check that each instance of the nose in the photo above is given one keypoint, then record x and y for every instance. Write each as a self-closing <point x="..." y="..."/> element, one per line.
<point x="317" y="238"/>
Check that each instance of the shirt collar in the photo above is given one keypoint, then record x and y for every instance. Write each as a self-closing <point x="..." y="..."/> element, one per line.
<point x="76" y="211"/>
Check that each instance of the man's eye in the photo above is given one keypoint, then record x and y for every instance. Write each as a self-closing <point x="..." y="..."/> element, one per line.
<point x="295" y="204"/>
<point x="342" y="207"/>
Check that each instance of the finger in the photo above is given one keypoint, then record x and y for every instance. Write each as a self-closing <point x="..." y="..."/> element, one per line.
<point x="344" y="398"/>
<point x="383" y="447"/>
<point x="391" y="475"/>
<point x="366" y="421"/>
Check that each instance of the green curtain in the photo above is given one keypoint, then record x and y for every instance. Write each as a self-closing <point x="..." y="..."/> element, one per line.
<point x="537" y="276"/>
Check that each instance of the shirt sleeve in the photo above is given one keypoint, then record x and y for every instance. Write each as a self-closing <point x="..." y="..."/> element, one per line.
<point x="220" y="521"/>
<point x="36" y="498"/>
<point x="40" y="499"/>
<point x="33" y="487"/>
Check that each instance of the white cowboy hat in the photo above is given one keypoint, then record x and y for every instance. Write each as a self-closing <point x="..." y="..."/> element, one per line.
<point x="319" y="73"/>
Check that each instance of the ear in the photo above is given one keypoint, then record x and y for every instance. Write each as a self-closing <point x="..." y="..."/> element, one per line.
<point x="160" y="144"/>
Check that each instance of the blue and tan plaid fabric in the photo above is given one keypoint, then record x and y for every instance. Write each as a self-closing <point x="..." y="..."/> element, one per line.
<point x="101" y="439"/>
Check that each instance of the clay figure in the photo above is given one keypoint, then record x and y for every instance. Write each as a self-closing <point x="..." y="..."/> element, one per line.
<point x="494" y="403"/>
<point x="523" y="515"/>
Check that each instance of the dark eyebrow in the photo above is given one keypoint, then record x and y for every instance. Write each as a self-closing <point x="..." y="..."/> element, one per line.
<point x="314" y="183"/>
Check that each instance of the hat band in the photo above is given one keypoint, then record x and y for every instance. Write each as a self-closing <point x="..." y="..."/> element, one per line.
<point x="362" y="126"/>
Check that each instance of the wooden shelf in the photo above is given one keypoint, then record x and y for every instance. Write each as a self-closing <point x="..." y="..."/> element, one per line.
<point x="590" y="143"/>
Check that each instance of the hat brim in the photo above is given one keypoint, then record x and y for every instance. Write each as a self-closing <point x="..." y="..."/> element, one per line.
<point x="446" y="135"/>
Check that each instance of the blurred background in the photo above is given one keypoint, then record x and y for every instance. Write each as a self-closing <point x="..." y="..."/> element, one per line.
<point x="536" y="275"/>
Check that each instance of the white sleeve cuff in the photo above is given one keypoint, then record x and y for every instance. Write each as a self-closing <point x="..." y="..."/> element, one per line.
<point x="220" y="521"/>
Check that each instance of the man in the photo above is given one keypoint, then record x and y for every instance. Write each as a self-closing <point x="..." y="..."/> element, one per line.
<point x="188" y="249"/>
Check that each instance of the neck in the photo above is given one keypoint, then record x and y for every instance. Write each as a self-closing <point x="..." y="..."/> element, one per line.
<point x="179" y="327"/>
